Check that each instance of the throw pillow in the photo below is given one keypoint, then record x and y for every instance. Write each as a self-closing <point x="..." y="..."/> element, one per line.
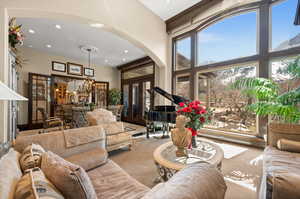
<point x="31" y="157"/>
<point x="69" y="178"/>
<point x="34" y="185"/>
<point x="288" y="145"/>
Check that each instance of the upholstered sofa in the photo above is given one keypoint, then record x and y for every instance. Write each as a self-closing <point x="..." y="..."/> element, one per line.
<point x="198" y="181"/>
<point x="281" y="168"/>
<point x="116" y="135"/>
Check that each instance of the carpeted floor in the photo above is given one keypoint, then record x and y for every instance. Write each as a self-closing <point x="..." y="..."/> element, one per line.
<point x="241" y="166"/>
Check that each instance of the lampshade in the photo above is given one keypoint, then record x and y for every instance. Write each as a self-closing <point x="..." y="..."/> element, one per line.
<point x="8" y="94"/>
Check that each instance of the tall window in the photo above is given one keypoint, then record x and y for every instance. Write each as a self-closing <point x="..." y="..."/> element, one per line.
<point x="284" y="33"/>
<point x="183" y="53"/>
<point x="228" y="104"/>
<point x="183" y="86"/>
<point x="279" y="74"/>
<point x="230" y="38"/>
<point x="245" y="44"/>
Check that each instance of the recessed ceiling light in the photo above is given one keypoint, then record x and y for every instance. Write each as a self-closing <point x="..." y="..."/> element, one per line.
<point x="30" y="46"/>
<point x="31" y="31"/>
<point x="106" y="61"/>
<point x="123" y="59"/>
<point x="57" y="26"/>
<point x="125" y="51"/>
<point x="96" y="25"/>
<point x="48" y="46"/>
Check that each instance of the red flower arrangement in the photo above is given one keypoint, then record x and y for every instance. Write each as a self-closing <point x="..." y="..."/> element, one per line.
<point x="199" y="116"/>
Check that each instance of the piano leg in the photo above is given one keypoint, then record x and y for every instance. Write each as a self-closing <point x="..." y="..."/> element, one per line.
<point x="165" y="130"/>
<point x="149" y="128"/>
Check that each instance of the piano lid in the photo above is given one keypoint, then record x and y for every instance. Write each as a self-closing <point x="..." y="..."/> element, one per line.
<point x="173" y="98"/>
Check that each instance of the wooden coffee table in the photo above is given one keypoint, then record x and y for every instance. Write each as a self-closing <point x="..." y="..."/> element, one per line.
<point x="168" y="164"/>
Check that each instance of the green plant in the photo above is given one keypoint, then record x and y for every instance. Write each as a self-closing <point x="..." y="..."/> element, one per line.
<point x="269" y="100"/>
<point x="114" y="96"/>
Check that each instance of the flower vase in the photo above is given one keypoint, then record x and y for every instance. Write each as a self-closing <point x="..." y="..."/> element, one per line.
<point x="194" y="143"/>
<point x="194" y="135"/>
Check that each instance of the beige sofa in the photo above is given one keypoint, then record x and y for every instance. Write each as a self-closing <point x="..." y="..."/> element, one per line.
<point x="281" y="169"/>
<point x="198" y="181"/>
<point x="116" y="135"/>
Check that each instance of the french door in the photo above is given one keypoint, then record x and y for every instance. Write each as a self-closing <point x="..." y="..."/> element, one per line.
<point x="136" y="99"/>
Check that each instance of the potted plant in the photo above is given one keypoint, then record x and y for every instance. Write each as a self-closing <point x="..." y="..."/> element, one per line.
<point x="282" y="108"/>
<point x="114" y="101"/>
<point x="198" y="116"/>
<point x="114" y="96"/>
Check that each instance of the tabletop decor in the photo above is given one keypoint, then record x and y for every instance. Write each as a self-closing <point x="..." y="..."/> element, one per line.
<point x="198" y="115"/>
<point x="181" y="136"/>
<point x="15" y="34"/>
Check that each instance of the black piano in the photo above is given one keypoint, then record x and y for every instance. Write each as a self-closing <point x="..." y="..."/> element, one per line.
<point x="163" y="113"/>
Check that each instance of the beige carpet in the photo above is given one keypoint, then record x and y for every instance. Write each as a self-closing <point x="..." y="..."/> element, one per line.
<point x="241" y="170"/>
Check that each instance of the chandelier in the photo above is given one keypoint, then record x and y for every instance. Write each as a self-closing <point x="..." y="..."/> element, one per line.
<point x="88" y="83"/>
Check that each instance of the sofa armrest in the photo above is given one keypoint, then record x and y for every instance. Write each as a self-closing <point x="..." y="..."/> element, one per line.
<point x="196" y="181"/>
<point x="286" y="185"/>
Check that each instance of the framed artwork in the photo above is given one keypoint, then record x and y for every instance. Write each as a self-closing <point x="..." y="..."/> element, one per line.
<point x="89" y="72"/>
<point x="75" y="69"/>
<point x="58" y="66"/>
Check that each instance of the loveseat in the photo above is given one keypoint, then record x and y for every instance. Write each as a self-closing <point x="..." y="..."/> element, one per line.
<point x="198" y="181"/>
<point x="116" y="135"/>
<point x="281" y="168"/>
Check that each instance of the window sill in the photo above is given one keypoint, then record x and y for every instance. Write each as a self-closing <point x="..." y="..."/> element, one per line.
<point x="233" y="137"/>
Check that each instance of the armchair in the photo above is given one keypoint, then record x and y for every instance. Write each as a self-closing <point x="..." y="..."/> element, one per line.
<point x="50" y="122"/>
<point x="116" y="136"/>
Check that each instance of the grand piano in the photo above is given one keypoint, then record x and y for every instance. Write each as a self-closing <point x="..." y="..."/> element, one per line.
<point x="163" y="113"/>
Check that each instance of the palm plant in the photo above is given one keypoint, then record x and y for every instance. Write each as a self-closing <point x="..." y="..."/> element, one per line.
<point x="269" y="101"/>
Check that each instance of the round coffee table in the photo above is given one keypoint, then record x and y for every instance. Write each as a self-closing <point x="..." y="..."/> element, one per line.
<point x="168" y="164"/>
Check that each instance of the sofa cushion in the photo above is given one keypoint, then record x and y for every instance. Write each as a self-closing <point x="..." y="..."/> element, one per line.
<point x="118" y="139"/>
<point x="10" y="173"/>
<point x="276" y="161"/>
<point x="90" y="159"/>
<point x="70" y="179"/>
<point x="35" y="185"/>
<point x="100" y="116"/>
<point x="288" y="145"/>
<point x="112" y="128"/>
<point x="31" y="157"/>
<point x="110" y="181"/>
<point x="286" y="185"/>
<point x="201" y="181"/>
<point x="55" y="142"/>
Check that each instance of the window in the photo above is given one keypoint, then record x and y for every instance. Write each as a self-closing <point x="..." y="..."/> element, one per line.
<point x="223" y="44"/>
<point x="229" y="105"/>
<point x="138" y="72"/>
<point x="230" y="38"/>
<point x="284" y="33"/>
<point x="183" y="86"/>
<point x="183" y="53"/>
<point x="285" y="81"/>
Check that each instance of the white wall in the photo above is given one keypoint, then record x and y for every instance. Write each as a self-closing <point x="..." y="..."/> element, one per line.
<point x="40" y="62"/>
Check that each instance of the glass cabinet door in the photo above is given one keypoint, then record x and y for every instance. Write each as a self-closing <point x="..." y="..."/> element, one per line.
<point x="100" y="94"/>
<point x="39" y="97"/>
<point x="135" y="101"/>
<point x="126" y="100"/>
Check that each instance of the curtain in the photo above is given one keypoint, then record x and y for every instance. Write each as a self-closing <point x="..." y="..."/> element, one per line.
<point x="297" y="17"/>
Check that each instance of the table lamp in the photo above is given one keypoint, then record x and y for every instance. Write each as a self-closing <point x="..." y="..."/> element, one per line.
<point x="6" y="94"/>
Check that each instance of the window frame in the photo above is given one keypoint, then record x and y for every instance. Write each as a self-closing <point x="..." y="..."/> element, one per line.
<point x="264" y="52"/>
